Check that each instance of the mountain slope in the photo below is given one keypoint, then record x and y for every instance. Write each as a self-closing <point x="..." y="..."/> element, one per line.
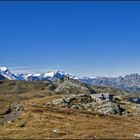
<point x="50" y="75"/>
<point x="17" y="89"/>
<point x="5" y="72"/>
<point x="2" y="77"/>
<point x="129" y="83"/>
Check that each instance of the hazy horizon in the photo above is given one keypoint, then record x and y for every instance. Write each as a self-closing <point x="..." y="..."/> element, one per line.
<point x="81" y="38"/>
<point x="27" y="70"/>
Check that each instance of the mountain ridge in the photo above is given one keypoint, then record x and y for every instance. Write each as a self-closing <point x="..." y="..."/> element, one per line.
<point x="128" y="82"/>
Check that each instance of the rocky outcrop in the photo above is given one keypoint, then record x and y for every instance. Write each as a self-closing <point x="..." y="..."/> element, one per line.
<point x="98" y="103"/>
<point x="74" y="87"/>
<point x="90" y="103"/>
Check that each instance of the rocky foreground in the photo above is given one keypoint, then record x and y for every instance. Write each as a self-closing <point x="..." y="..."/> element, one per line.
<point x="99" y="103"/>
<point x="66" y="109"/>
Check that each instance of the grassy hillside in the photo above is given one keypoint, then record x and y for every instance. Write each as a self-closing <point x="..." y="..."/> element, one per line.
<point x="106" y="89"/>
<point x="39" y="120"/>
<point x="20" y="90"/>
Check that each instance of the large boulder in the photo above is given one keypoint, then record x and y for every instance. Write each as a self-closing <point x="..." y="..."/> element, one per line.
<point x="107" y="107"/>
<point x="74" y="87"/>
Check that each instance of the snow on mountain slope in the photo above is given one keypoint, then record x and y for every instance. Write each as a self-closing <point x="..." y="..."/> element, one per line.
<point x="50" y="75"/>
<point x="128" y="82"/>
<point x="4" y="71"/>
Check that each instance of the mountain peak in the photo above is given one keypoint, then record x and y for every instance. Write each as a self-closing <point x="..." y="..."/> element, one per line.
<point x="130" y="82"/>
<point x="4" y="69"/>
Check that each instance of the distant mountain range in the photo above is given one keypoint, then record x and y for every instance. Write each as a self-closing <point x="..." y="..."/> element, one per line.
<point x="50" y="75"/>
<point x="130" y="83"/>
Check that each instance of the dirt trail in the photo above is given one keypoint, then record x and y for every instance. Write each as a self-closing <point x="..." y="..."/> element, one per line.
<point x="12" y="114"/>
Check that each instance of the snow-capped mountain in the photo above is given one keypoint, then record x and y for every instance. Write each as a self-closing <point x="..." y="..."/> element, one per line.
<point x="50" y="75"/>
<point x="128" y="82"/>
<point x="5" y="72"/>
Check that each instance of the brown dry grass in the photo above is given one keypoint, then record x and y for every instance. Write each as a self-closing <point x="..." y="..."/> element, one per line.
<point x="4" y="106"/>
<point x="38" y="122"/>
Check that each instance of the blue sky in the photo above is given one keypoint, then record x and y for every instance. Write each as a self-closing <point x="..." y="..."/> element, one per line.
<point x="82" y="38"/>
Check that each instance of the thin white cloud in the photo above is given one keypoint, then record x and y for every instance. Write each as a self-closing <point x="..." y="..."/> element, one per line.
<point x="16" y="68"/>
<point x="26" y="70"/>
<point x="21" y="70"/>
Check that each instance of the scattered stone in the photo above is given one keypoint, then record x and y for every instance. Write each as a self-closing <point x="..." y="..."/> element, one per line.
<point x="137" y="135"/>
<point x="9" y="121"/>
<point x="57" y="133"/>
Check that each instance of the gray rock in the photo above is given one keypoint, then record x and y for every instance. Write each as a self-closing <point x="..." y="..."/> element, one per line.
<point x="74" y="87"/>
<point x="102" y="96"/>
<point x="81" y="98"/>
<point x="108" y="96"/>
<point x="137" y="135"/>
<point x="76" y="107"/>
<point x="70" y="98"/>
<point x="84" y="99"/>
<point x="63" y="105"/>
<point x="115" y="107"/>
<point x="103" y="105"/>
<point x="106" y="111"/>
<point x="108" y="108"/>
<point x="91" y="106"/>
<point x="136" y="108"/>
<point x="82" y="95"/>
<point x="57" y="133"/>
<point x="57" y="101"/>
<point x="117" y="98"/>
